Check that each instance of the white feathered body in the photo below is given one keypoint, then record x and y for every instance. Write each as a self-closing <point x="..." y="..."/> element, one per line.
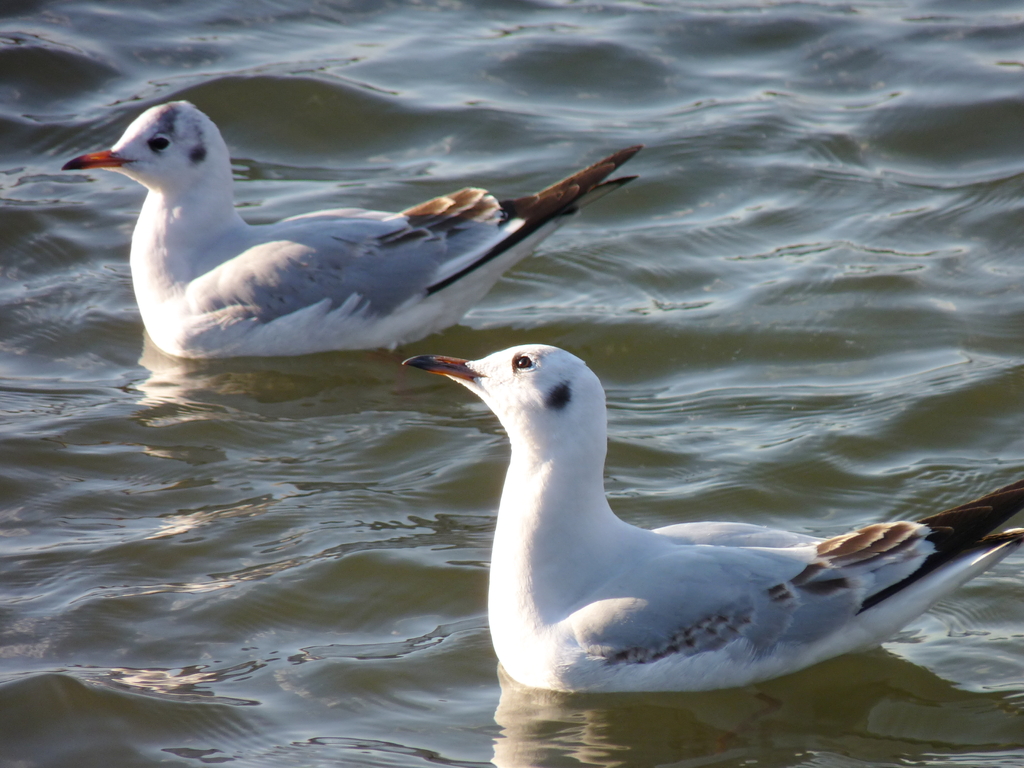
<point x="205" y="291"/>
<point x="210" y="285"/>
<point x="579" y="600"/>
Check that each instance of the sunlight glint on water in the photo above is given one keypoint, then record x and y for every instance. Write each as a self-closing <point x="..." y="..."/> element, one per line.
<point x="807" y="313"/>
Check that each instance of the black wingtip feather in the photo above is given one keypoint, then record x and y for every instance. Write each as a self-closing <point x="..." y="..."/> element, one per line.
<point x="962" y="529"/>
<point x="561" y="198"/>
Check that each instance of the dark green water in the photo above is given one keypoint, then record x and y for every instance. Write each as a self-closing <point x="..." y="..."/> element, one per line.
<point x="808" y="312"/>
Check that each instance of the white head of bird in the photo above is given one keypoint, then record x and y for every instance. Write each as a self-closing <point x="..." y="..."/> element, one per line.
<point x="170" y="149"/>
<point x="547" y="399"/>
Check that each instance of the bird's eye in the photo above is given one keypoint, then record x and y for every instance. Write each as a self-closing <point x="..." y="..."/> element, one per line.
<point x="521" y="363"/>
<point x="159" y="143"/>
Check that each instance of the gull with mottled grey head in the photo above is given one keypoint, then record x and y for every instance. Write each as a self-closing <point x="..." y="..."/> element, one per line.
<point x="210" y="285"/>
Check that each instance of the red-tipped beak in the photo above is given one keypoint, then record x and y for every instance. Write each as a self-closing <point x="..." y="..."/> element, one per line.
<point x="104" y="159"/>
<point x="446" y="366"/>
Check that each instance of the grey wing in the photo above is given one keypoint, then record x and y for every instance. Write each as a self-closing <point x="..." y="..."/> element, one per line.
<point x="704" y="598"/>
<point x="368" y="262"/>
<point x="734" y="535"/>
<point x="694" y="600"/>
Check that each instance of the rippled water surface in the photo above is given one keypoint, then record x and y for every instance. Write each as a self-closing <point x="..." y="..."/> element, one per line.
<point x="808" y="312"/>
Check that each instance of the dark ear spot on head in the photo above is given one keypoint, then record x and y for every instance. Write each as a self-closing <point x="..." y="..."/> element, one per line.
<point x="559" y="396"/>
<point x="198" y="154"/>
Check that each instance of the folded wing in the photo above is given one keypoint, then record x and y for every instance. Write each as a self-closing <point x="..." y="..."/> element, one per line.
<point x="731" y="583"/>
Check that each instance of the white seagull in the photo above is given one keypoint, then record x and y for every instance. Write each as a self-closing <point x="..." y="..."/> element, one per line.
<point x="581" y="601"/>
<point x="210" y="285"/>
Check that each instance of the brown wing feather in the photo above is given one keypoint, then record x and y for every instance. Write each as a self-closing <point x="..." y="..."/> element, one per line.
<point x="535" y="210"/>
<point x="867" y="543"/>
<point x="467" y="203"/>
<point x="951" y="532"/>
<point x="962" y="529"/>
<point x="541" y="206"/>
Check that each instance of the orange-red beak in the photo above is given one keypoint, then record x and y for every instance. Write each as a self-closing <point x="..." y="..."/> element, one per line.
<point x="104" y="159"/>
<point x="446" y="366"/>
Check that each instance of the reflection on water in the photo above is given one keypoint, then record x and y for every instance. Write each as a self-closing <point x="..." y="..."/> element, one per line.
<point x="545" y="728"/>
<point x="392" y="650"/>
<point x="188" y="684"/>
<point x="195" y="386"/>
<point x="874" y="704"/>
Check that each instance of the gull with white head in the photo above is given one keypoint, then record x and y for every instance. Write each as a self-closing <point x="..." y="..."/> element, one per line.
<point x="210" y="285"/>
<point x="581" y="601"/>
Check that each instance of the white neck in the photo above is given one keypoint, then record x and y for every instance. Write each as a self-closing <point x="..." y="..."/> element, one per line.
<point x="554" y="527"/>
<point x="181" y="235"/>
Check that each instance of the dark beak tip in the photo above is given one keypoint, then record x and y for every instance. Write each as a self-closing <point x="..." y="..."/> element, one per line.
<point x="440" y="364"/>
<point x="105" y="159"/>
<point x="424" y="362"/>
